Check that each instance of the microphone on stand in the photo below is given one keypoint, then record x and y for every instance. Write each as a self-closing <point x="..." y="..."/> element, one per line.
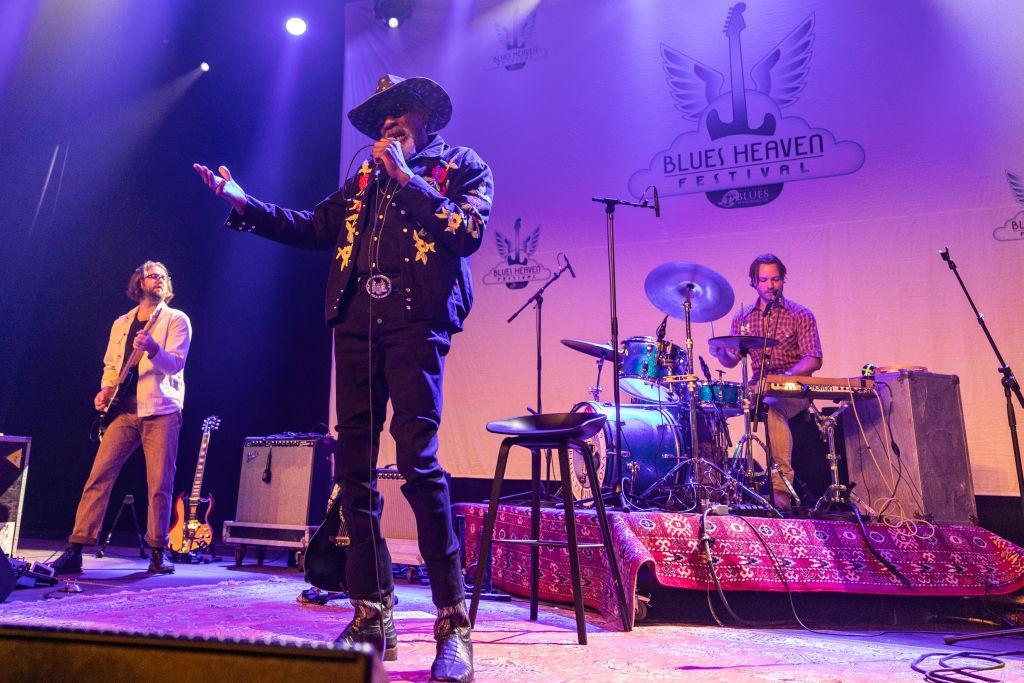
<point x="657" y="204"/>
<point x="661" y="329"/>
<point x="568" y="265"/>
<point x="771" y="304"/>
<point x="705" y="369"/>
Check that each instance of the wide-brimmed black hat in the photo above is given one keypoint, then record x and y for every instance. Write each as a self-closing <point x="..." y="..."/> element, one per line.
<point x="369" y="116"/>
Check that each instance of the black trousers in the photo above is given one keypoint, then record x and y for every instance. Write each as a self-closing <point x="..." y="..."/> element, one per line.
<point x="381" y="356"/>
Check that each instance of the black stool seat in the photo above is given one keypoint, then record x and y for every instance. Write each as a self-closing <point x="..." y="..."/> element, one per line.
<point x="555" y="431"/>
<point x="549" y="426"/>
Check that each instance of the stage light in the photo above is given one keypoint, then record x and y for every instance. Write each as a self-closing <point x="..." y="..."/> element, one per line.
<point x="204" y="67"/>
<point x="295" y="26"/>
<point x="392" y="12"/>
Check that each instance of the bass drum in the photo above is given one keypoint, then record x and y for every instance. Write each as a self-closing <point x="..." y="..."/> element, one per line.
<point x="652" y="444"/>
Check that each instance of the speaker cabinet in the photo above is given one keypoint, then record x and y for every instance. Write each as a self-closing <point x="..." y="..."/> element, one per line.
<point x="36" y="654"/>
<point x="8" y="579"/>
<point x="282" y="491"/>
<point x="397" y="522"/>
<point x="931" y="476"/>
<point x="14" y="451"/>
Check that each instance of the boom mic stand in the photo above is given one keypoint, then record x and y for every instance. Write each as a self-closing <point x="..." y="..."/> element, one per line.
<point x="1010" y="389"/>
<point x="538" y="300"/>
<point x="613" y="316"/>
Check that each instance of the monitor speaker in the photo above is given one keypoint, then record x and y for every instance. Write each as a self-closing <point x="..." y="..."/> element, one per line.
<point x="36" y="654"/>
<point x="8" y="579"/>
<point x="14" y="451"/>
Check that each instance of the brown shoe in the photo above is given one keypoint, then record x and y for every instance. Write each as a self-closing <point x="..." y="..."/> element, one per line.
<point x="157" y="564"/>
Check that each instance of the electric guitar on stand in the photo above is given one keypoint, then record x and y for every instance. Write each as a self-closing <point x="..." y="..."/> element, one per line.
<point x="129" y="369"/>
<point x="190" y="530"/>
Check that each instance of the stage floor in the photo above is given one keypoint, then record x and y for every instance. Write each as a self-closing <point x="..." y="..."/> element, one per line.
<point x="259" y="602"/>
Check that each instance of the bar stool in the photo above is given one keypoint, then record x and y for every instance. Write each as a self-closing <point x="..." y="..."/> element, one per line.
<point x="537" y="432"/>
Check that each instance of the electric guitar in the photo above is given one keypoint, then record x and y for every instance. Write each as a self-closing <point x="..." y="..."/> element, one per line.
<point x="190" y="530"/>
<point x="740" y="125"/>
<point x="128" y="370"/>
<point x="324" y="559"/>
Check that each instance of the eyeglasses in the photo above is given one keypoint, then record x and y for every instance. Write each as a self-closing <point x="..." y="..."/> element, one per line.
<point x="158" y="276"/>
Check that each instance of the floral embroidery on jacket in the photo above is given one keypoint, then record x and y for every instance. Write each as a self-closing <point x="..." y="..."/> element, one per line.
<point x="352" y="218"/>
<point x="364" y="175"/>
<point x="423" y="247"/>
<point x="344" y="254"/>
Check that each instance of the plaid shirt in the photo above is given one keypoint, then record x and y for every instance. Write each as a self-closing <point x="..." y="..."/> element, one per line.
<point x="792" y="324"/>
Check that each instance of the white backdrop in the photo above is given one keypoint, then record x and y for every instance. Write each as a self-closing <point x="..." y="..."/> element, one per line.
<point x="567" y="100"/>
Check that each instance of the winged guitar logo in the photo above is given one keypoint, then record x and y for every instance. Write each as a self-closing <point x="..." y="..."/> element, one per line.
<point x="518" y="265"/>
<point x="514" y="38"/>
<point x="517" y="251"/>
<point x="1013" y="229"/>
<point x="744" y="149"/>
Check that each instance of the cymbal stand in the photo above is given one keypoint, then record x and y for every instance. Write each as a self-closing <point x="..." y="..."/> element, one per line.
<point x="837" y="493"/>
<point x="618" y="495"/>
<point x="595" y="391"/>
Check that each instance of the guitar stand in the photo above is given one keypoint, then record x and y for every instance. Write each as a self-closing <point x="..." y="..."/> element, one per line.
<point x="128" y="500"/>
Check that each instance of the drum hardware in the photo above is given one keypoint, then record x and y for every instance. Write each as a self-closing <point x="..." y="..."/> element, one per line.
<point x="743" y="345"/>
<point x="601" y="352"/>
<point x="694" y="293"/>
<point x="836" y="493"/>
<point x="537" y="299"/>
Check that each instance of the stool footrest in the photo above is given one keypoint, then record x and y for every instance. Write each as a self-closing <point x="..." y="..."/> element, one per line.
<point x="529" y="541"/>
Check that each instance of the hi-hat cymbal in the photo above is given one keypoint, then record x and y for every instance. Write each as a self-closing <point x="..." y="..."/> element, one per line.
<point x="744" y="343"/>
<point x="671" y="284"/>
<point x="589" y="348"/>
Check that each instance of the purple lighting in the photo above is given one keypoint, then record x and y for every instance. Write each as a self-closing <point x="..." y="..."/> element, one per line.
<point x="295" y="26"/>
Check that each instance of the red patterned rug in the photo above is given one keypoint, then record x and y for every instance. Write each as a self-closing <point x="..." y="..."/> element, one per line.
<point x="751" y="554"/>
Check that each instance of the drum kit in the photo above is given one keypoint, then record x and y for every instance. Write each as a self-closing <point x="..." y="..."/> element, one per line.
<point x="676" y="453"/>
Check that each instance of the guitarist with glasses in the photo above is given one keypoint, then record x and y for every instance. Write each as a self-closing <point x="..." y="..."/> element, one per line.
<point x="142" y="391"/>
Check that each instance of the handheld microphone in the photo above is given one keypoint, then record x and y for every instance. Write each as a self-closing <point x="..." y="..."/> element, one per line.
<point x="657" y="204"/>
<point x="771" y="304"/>
<point x="661" y="329"/>
<point x="569" y="266"/>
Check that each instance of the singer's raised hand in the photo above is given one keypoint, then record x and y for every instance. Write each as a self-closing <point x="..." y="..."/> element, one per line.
<point x="223" y="186"/>
<point x="388" y="151"/>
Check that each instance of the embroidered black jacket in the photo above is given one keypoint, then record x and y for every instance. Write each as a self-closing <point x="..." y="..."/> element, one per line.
<point x="438" y="217"/>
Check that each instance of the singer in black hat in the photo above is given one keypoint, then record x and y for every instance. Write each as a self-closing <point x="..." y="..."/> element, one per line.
<point x="401" y="230"/>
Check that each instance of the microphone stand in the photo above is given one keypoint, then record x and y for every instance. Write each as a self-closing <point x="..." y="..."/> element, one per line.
<point x="538" y="300"/>
<point x="1010" y="389"/>
<point x="609" y="212"/>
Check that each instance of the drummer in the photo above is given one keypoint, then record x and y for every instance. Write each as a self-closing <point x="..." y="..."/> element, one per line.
<point x="798" y="353"/>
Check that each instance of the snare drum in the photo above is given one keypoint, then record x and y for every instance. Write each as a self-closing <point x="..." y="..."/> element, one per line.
<point x="644" y="362"/>
<point x="653" y="442"/>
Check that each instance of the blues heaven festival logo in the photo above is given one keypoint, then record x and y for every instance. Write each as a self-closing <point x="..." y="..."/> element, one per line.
<point x="1013" y="228"/>
<point x="517" y="267"/>
<point x="514" y="38"/>
<point x="744" y="150"/>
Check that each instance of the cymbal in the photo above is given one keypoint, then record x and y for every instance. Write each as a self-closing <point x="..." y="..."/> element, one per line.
<point x="589" y="348"/>
<point x="670" y="284"/>
<point x="744" y="343"/>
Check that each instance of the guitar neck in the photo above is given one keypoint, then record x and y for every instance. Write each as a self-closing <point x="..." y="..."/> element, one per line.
<point x="197" y="482"/>
<point x="737" y="81"/>
<point x="136" y="355"/>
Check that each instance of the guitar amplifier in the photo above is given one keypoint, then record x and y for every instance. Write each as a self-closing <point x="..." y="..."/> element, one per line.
<point x="282" y="491"/>
<point x="14" y="451"/>
<point x="397" y="522"/>
<point x="932" y="472"/>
